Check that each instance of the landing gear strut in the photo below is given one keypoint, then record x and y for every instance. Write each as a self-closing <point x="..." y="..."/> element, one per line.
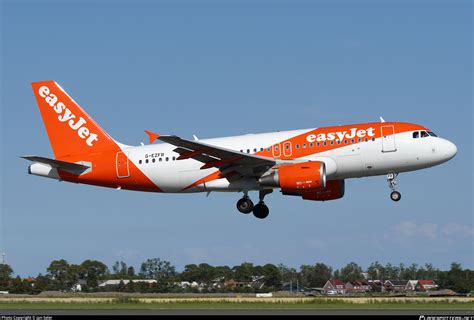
<point x="245" y="205"/>
<point x="261" y="211"/>
<point x="394" y="195"/>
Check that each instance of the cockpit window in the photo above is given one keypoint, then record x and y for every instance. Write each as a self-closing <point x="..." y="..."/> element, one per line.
<point x="423" y="134"/>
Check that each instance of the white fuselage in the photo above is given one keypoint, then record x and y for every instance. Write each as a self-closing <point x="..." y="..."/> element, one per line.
<point x="360" y="159"/>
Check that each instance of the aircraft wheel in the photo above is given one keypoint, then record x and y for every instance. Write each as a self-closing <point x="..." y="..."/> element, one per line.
<point x="395" y="196"/>
<point x="245" y="205"/>
<point x="261" y="211"/>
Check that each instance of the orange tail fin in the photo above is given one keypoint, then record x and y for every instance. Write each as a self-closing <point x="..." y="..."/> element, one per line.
<point x="70" y="129"/>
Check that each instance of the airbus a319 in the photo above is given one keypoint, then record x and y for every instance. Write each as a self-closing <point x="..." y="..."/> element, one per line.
<point x="310" y="163"/>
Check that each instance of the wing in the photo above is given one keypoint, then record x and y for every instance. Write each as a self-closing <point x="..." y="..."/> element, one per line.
<point x="232" y="164"/>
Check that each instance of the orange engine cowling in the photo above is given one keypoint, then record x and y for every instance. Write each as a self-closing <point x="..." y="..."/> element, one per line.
<point x="299" y="177"/>
<point x="334" y="190"/>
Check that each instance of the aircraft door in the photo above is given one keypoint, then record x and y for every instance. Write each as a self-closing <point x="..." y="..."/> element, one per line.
<point x="388" y="139"/>
<point x="123" y="170"/>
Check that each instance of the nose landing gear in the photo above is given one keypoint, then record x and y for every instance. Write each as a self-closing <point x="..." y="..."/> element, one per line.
<point x="394" y="195"/>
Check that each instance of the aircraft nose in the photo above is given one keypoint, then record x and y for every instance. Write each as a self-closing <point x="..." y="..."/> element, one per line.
<point x="449" y="149"/>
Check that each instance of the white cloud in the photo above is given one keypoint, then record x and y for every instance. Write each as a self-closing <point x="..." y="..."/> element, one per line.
<point x="409" y="230"/>
<point x="458" y="230"/>
<point x="404" y="229"/>
<point x="428" y="230"/>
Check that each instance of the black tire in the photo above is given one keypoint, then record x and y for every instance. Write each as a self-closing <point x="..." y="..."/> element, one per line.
<point x="261" y="211"/>
<point x="245" y="205"/>
<point x="395" y="196"/>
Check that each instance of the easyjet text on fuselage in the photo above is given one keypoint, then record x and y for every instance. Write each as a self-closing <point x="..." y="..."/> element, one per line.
<point x="341" y="135"/>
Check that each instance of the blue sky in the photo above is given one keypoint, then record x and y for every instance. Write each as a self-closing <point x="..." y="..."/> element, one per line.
<point x="215" y="69"/>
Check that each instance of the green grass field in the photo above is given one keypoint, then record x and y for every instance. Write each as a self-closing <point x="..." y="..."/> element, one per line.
<point x="316" y="304"/>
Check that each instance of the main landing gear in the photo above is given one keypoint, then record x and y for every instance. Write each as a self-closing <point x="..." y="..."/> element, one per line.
<point x="245" y="205"/>
<point x="260" y="210"/>
<point x="394" y="195"/>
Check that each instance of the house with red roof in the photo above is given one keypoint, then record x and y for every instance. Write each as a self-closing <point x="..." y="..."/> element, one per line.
<point x="426" y="285"/>
<point x="334" y="286"/>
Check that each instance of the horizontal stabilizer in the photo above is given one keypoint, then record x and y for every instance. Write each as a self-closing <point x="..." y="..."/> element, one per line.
<point x="74" y="168"/>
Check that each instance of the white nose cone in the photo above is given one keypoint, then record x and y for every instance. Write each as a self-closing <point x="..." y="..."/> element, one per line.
<point x="449" y="150"/>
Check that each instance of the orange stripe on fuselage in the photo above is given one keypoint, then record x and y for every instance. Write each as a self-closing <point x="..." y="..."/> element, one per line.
<point x="302" y="140"/>
<point x="304" y="144"/>
<point x="104" y="172"/>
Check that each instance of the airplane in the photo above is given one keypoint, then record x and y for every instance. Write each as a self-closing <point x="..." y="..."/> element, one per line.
<point x="310" y="163"/>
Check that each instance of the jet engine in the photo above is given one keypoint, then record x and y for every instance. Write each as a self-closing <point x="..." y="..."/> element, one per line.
<point x="334" y="190"/>
<point x="298" y="177"/>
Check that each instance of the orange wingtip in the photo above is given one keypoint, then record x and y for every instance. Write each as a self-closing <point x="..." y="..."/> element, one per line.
<point x="152" y="136"/>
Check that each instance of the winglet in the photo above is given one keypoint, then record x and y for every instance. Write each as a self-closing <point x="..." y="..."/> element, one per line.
<point x="152" y="136"/>
<point x="382" y="119"/>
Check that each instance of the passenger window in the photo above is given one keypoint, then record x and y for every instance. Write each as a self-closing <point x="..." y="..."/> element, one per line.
<point x="248" y="150"/>
<point x="174" y="158"/>
<point x="424" y="134"/>
<point x="254" y="149"/>
<point x="338" y="141"/>
<point x="139" y="162"/>
<point x="297" y="146"/>
<point x="311" y="145"/>
<point x="324" y="143"/>
<point x="261" y="149"/>
<point x="268" y="149"/>
<point x="345" y="141"/>
<point x="317" y="144"/>
<point x="146" y="161"/>
<point x="167" y="158"/>
<point x="160" y="160"/>
<point x="153" y="160"/>
<point x="332" y="142"/>
<point x="416" y="135"/>
<point x="304" y="145"/>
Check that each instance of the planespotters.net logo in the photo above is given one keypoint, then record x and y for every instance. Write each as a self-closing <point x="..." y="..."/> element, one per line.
<point x="65" y="114"/>
<point x="423" y="317"/>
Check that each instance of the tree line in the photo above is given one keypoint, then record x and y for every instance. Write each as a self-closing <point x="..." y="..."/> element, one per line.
<point x="62" y="276"/>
